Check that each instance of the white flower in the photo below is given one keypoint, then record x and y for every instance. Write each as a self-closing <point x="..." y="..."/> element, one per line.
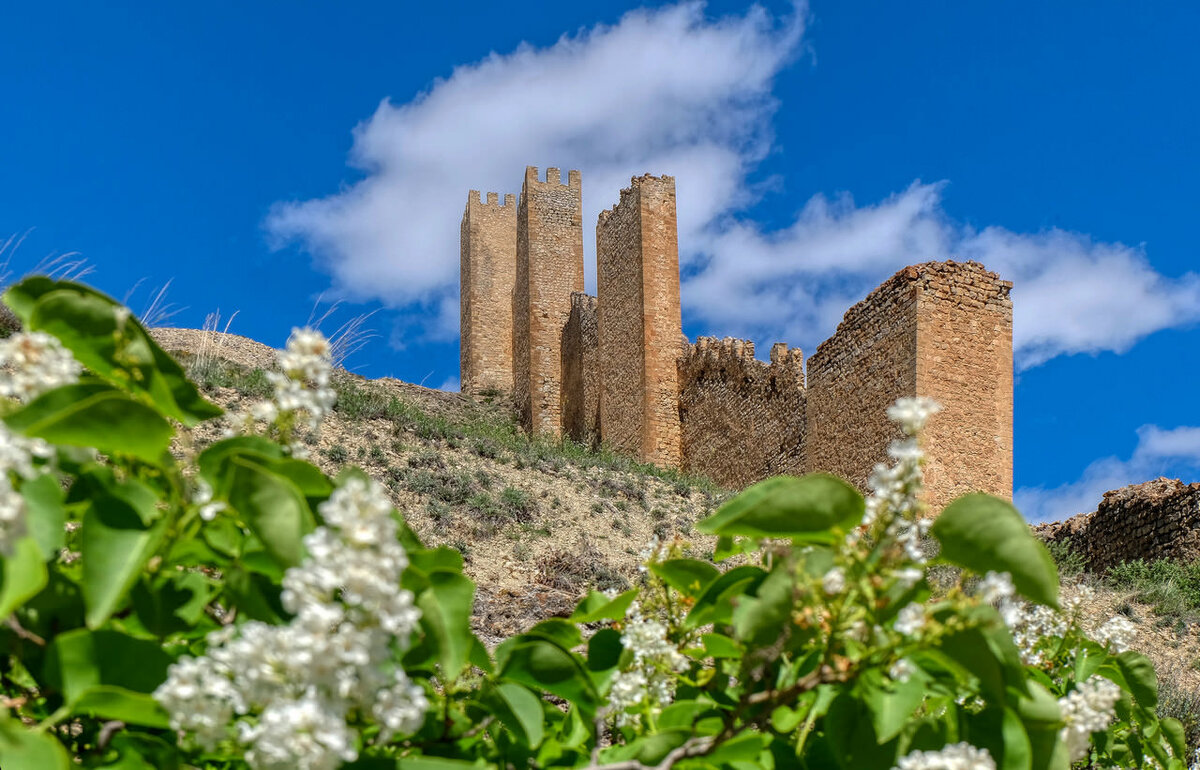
<point x="13" y="525"/>
<point x="912" y="412"/>
<point x="1117" y="633"/>
<point x="911" y="619"/>
<point x="649" y="677"/>
<point x="1087" y="709"/>
<point x="202" y="496"/>
<point x="956" y="756"/>
<point x="33" y="363"/>
<point x="294" y="689"/>
<point x="909" y="576"/>
<point x="834" y="581"/>
<point x="901" y="670"/>
<point x="995" y="587"/>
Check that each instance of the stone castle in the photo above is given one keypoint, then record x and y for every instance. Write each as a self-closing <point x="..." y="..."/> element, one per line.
<point x="617" y="368"/>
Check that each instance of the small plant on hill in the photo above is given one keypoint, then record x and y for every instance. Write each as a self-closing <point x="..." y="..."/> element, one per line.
<point x="240" y="609"/>
<point x="1172" y="587"/>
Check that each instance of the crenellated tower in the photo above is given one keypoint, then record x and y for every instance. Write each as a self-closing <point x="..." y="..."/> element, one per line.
<point x="637" y="270"/>
<point x="488" y="269"/>
<point x="549" y="247"/>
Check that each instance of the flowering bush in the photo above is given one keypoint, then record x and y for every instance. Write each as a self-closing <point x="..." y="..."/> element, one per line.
<point x="236" y="608"/>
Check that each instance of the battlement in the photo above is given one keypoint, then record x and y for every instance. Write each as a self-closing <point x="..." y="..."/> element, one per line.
<point x="553" y="178"/>
<point x="475" y="200"/>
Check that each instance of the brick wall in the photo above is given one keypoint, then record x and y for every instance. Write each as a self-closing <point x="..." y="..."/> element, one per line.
<point x="549" y="268"/>
<point x="964" y="361"/>
<point x="742" y="419"/>
<point x="938" y="329"/>
<point x="1159" y="519"/>
<point x="488" y="265"/>
<point x="637" y="268"/>
<point x="581" y="371"/>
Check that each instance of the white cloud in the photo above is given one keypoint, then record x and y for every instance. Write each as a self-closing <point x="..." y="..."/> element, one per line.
<point x="671" y="90"/>
<point x="1158" y="452"/>
<point x="451" y="384"/>
<point x="666" y="90"/>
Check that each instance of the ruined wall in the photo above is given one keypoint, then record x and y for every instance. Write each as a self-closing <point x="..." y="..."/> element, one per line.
<point x="938" y="329"/>
<point x="581" y="371"/>
<point x="549" y="268"/>
<point x="637" y="268"/>
<point x="488" y="265"/>
<point x="853" y="378"/>
<point x="965" y="362"/>
<point x="1159" y="519"/>
<point x="742" y="419"/>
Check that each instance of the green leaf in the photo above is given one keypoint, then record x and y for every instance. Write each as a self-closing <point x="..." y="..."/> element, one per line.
<point x="1176" y="736"/>
<point x="23" y="575"/>
<point x="715" y="605"/>
<point x="808" y="509"/>
<point x="562" y="632"/>
<point x="111" y="343"/>
<point x="255" y="595"/>
<point x="891" y="704"/>
<point x="596" y="607"/>
<point x="721" y="646"/>
<point x="524" y="713"/>
<point x="108" y="674"/>
<point x="1140" y="678"/>
<point x="119" y="535"/>
<point x="687" y="576"/>
<point x="93" y="414"/>
<point x="142" y="751"/>
<point x="432" y="763"/>
<point x="984" y="533"/>
<point x="446" y="615"/>
<point x="108" y="702"/>
<point x="171" y="605"/>
<point x="272" y="506"/>
<point x="544" y="665"/>
<point x="440" y="559"/>
<point x="46" y="514"/>
<point x="762" y="619"/>
<point x="22" y="749"/>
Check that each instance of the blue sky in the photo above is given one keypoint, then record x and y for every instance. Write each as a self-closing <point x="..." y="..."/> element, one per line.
<point x="259" y="154"/>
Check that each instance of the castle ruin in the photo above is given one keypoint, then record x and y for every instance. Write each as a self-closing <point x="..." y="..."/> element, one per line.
<point x="617" y="368"/>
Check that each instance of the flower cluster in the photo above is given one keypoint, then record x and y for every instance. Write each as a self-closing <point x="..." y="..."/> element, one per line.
<point x="1087" y="709"/>
<point x="649" y="681"/>
<point x="896" y="490"/>
<point x="35" y="362"/>
<point x="301" y="389"/>
<point x="1117" y="633"/>
<point x="956" y="756"/>
<point x="288" y="694"/>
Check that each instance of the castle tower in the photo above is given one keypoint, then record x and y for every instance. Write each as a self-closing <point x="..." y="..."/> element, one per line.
<point x="637" y="258"/>
<point x="581" y="371"/>
<point x="939" y="329"/>
<point x="549" y="268"/>
<point x="488" y="268"/>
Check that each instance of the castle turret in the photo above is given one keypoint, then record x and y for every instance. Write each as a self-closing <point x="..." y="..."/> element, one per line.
<point x="488" y="265"/>
<point x="549" y="268"/>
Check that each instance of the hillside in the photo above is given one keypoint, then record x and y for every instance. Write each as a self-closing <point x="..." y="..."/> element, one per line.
<point x="539" y="522"/>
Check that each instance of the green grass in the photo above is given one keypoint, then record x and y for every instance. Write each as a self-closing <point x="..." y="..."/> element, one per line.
<point x="1070" y="562"/>
<point x="1171" y="587"/>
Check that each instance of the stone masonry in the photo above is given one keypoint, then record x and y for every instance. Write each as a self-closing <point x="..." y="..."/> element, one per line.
<point x="617" y="367"/>
<point x="637" y="277"/>
<point x="581" y="371"/>
<point x="1159" y="519"/>
<point x="742" y="419"/>
<point x="939" y="329"/>
<point x="549" y="269"/>
<point x="488" y="271"/>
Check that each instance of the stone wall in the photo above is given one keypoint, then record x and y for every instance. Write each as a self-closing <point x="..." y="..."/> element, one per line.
<point x="964" y="361"/>
<point x="938" y="329"/>
<point x="853" y="378"/>
<point x="549" y="268"/>
<point x="581" y="371"/>
<point x="742" y="419"/>
<point x="1159" y="519"/>
<point x="488" y="271"/>
<point x="637" y="268"/>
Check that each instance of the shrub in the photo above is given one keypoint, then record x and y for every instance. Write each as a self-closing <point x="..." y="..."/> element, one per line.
<point x="1172" y="587"/>
<point x="241" y="609"/>
<point x="1070" y="561"/>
